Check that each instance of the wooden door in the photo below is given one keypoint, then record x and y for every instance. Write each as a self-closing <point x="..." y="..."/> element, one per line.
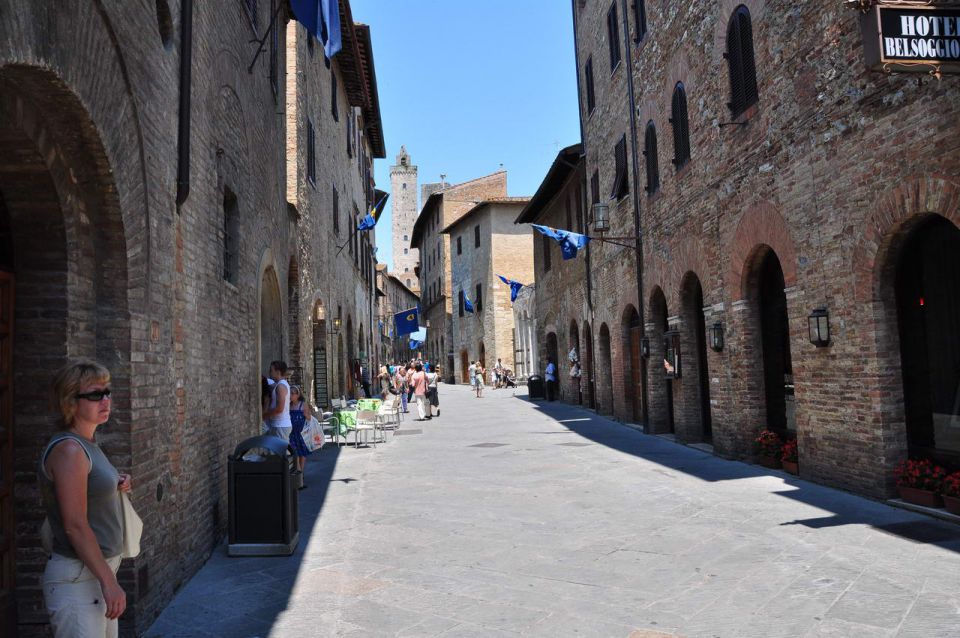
<point x="464" y="367"/>
<point x="7" y="525"/>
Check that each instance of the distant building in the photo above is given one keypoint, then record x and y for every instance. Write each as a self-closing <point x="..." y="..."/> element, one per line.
<point x="403" y="184"/>
<point x="484" y="242"/>
<point x="394" y="296"/>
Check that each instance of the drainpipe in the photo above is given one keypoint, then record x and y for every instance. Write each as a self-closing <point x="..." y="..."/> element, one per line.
<point x="637" y="228"/>
<point x="583" y="154"/>
<point x="183" y="127"/>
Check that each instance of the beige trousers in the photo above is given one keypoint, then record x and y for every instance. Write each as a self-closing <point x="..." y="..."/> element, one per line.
<point x="74" y="599"/>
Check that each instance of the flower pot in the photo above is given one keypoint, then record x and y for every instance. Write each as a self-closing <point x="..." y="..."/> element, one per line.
<point x="916" y="496"/>
<point x="769" y="461"/>
<point x="952" y="504"/>
<point x="792" y="467"/>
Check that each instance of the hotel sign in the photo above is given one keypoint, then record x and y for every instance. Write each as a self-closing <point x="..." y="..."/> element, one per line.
<point x="919" y="38"/>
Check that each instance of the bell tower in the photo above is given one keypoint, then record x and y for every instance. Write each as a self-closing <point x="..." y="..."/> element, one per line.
<point x="403" y="191"/>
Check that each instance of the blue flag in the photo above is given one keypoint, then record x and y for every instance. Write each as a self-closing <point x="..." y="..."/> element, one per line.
<point x="515" y="287"/>
<point x="414" y="344"/>
<point x="371" y="218"/>
<point x="334" y="41"/>
<point x="407" y="321"/>
<point x="321" y="19"/>
<point x="467" y="304"/>
<point x="570" y="242"/>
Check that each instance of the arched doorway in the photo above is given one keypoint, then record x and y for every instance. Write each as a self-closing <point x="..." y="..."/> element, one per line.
<point x="695" y="384"/>
<point x="575" y="383"/>
<point x="271" y="320"/>
<point x="552" y="351"/>
<point x="660" y="381"/>
<point x="588" y="383"/>
<point x="63" y="294"/>
<point x="321" y="387"/>
<point x="633" y="333"/>
<point x="483" y="355"/>
<point x="928" y="319"/>
<point x="464" y="366"/>
<point x="775" y="344"/>
<point x="605" y="384"/>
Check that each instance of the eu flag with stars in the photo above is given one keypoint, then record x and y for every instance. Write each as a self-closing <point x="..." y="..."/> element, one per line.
<point x="467" y="304"/>
<point x="515" y="287"/>
<point x="370" y="219"/>
<point x="570" y="242"/>
<point x="407" y="321"/>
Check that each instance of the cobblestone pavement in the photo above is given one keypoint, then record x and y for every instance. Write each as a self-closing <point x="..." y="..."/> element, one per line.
<point x="505" y="517"/>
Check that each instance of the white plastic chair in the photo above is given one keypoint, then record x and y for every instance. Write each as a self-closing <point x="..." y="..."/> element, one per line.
<point x="367" y="421"/>
<point x="390" y="411"/>
<point x="331" y="424"/>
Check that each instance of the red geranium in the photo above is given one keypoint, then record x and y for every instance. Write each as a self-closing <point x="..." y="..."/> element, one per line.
<point x="789" y="451"/>
<point x="769" y="443"/>
<point x="951" y="485"/>
<point x="921" y="474"/>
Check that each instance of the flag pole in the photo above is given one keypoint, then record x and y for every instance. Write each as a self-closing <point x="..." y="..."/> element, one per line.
<point x="263" y="40"/>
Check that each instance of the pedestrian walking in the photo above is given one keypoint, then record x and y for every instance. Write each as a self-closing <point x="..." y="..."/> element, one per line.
<point x="400" y="384"/>
<point x="551" y="377"/>
<point x="479" y="377"/>
<point x="81" y="494"/>
<point x="472" y="374"/>
<point x="432" y="398"/>
<point x="498" y="374"/>
<point x="277" y="415"/>
<point x="385" y="383"/>
<point x="365" y="380"/>
<point x="418" y="382"/>
<point x="300" y="414"/>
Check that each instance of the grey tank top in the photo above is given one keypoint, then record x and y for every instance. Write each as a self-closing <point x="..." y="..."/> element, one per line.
<point x="104" y="511"/>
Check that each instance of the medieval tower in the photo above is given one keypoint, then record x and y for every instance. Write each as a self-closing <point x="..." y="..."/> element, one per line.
<point x="403" y="187"/>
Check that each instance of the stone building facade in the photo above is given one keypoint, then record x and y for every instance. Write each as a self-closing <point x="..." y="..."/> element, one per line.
<point x="440" y="210"/>
<point x="565" y="297"/>
<point x="484" y="242"/>
<point x="778" y="178"/>
<point x="395" y="297"/>
<point x="334" y="133"/>
<point x="526" y="352"/>
<point x="403" y="186"/>
<point x="172" y="264"/>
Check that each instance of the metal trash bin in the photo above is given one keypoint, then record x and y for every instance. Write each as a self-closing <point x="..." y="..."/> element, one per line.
<point x="535" y="387"/>
<point x="263" y="499"/>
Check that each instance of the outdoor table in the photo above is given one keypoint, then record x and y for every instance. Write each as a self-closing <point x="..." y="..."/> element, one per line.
<point x="369" y="404"/>
<point x="347" y="420"/>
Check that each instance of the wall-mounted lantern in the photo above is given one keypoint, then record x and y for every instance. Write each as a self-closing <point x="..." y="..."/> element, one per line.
<point x="819" y="325"/>
<point x="601" y="217"/>
<point x="336" y="325"/>
<point x="671" y="354"/>
<point x="716" y="336"/>
<point x="645" y="348"/>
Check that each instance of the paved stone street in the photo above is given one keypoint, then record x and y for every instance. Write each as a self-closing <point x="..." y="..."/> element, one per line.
<point x="506" y="517"/>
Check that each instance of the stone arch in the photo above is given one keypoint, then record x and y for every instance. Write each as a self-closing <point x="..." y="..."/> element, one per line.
<point x="761" y="224"/>
<point x="724" y="10"/>
<point x="692" y="389"/>
<point x="587" y="359"/>
<point x="64" y="210"/>
<point x="605" y="365"/>
<point x="631" y="368"/>
<point x="669" y="265"/>
<point x="659" y="388"/>
<point x="271" y="319"/>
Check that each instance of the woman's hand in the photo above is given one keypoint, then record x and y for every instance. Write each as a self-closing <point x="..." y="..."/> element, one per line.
<point x="114" y="597"/>
<point x="126" y="483"/>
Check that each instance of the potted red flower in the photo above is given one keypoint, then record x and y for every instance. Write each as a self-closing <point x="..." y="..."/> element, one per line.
<point x="788" y="457"/>
<point x="769" y="446"/>
<point x="919" y="482"/>
<point x="950" y="490"/>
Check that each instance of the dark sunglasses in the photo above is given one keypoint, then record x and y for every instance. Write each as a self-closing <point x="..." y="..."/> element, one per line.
<point x="95" y="396"/>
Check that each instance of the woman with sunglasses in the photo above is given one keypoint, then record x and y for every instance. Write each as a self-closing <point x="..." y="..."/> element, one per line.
<point x="80" y="489"/>
<point x="299" y="416"/>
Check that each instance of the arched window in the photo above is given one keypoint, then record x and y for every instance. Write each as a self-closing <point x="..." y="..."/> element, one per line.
<point x="681" y="127"/>
<point x="653" y="162"/>
<point x="740" y="59"/>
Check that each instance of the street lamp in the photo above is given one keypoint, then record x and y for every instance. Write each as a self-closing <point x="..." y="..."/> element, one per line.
<point x="716" y="336"/>
<point x="819" y="327"/>
<point x="601" y="217"/>
<point x="645" y="347"/>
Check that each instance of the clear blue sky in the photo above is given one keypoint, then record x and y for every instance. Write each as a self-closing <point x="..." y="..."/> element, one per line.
<point x="468" y="86"/>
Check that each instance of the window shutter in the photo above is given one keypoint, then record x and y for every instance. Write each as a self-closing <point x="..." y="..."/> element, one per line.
<point x="650" y="153"/>
<point x="620" y="183"/>
<point x="613" y="38"/>
<point x="749" y="63"/>
<point x="681" y="133"/>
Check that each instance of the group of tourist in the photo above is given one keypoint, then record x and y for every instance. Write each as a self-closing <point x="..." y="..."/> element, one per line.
<point x="286" y="411"/>
<point x="415" y="381"/>
<point x="500" y="377"/>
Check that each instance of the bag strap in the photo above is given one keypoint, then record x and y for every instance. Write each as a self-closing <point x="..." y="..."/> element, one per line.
<point x="54" y="442"/>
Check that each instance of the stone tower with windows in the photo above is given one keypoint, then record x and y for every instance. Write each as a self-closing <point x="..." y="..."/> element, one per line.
<point x="403" y="185"/>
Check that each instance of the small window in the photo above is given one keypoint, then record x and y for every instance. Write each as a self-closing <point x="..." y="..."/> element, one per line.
<point x="568" y="207"/>
<point x="621" y="184"/>
<point x="578" y="196"/>
<point x="350" y="125"/>
<point x="613" y="39"/>
<point x="460" y="312"/>
<point x="595" y="188"/>
<point x="653" y="162"/>
<point x="681" y="127"/>
<point x="334" y="109"/>
<point x="231" y="236"/>
<point x="404" y="186"/>
<point x="478" y="302"/>
<point x="741" y="62"/>
<point x="405" y="251"/>
<point x="545" y="246"/>
<point x="476" y="236"/>
<point x="311" y="153"/>
<point x="405" y="238"/>
<point x="336" y="211"/>
<point x="640" y="16"/>
<point x="408" y="283"/>
<point x="588" y="80"/>
<point x="407" y="269"/>
<point x="459" y="245"/>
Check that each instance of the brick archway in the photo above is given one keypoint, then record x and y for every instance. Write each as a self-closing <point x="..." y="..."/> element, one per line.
<point x="760" y="225"/>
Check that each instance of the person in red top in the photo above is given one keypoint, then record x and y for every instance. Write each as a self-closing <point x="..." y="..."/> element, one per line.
<point x="418" y="381"/>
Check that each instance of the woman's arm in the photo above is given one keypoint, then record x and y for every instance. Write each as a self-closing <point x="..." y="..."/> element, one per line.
<point x="307" y="412"/>
<point x="69" y="467"/>
<point x="281" y="403"/>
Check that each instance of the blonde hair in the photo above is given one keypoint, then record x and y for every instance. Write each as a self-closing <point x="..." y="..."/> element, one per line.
<point x="68" y="382"/>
